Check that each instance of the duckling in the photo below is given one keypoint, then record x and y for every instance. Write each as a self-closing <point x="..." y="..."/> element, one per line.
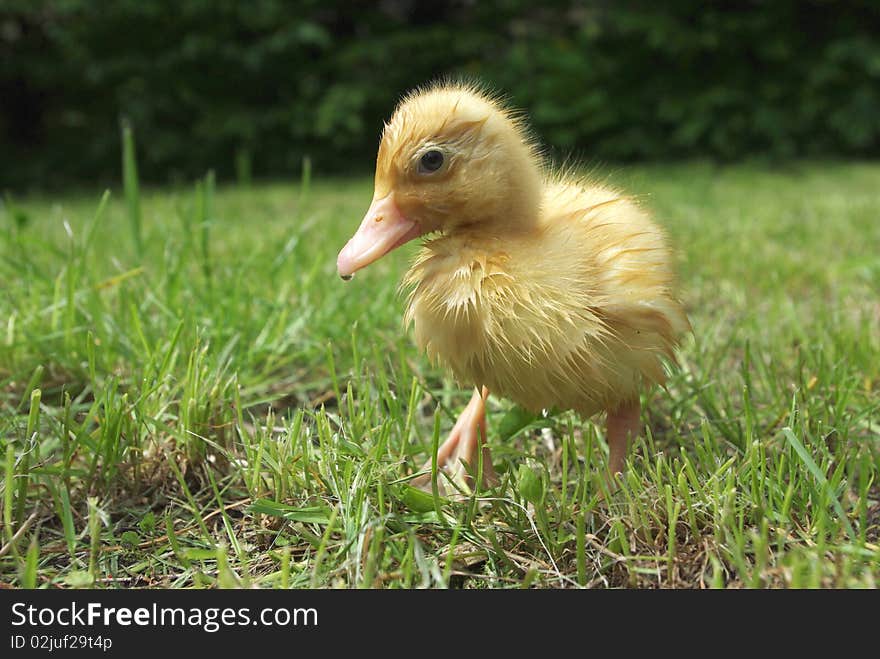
<point x="540" y="286"/>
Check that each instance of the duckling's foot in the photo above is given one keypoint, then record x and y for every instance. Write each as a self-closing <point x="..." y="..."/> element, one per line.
<point x="458" y="459"/>
<point x="623" y="424"/>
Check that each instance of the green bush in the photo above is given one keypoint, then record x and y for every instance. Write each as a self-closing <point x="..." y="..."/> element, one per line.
<point x="256" y="86"/>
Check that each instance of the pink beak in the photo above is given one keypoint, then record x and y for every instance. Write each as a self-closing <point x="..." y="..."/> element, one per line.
<point x="384" y="227"/>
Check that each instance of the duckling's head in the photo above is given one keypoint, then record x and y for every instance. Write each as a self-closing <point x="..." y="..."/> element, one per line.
<point x="451" y="159"/>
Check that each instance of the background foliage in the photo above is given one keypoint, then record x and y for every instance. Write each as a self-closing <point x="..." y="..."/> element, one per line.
<point x="254" y="86"/>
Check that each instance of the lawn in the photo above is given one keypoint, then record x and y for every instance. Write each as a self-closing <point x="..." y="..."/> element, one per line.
<point x="218" y="408"/>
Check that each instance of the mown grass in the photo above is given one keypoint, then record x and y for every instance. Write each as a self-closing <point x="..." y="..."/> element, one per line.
<point x="195" y="399"/>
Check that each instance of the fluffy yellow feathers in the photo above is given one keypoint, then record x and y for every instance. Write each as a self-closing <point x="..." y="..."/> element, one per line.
<point x="544" y="287"/>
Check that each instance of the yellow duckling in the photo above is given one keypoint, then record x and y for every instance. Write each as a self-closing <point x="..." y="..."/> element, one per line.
<point x="538" y="286"/>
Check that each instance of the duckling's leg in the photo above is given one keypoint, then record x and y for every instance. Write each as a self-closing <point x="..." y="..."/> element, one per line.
<point x="459" y="455"/>
<point x="623" y="424"/>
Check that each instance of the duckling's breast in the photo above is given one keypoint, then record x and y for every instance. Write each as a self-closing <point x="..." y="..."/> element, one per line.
<point x="525" y="338"/>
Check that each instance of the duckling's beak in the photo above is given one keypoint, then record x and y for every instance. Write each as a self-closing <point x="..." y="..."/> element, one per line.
<point x="384" y="228"/>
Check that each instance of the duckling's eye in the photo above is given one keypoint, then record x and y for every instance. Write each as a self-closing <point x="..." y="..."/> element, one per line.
<point x="430" y="162"/>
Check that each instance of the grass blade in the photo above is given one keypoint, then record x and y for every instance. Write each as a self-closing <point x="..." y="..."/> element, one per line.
<point x="132" y="186"/>
<point x="807" y="459"/>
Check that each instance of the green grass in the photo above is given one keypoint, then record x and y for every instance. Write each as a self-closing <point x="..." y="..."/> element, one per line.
<point x="190" y="397"/>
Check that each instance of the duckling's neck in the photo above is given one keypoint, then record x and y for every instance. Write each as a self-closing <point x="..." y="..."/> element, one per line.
<point x="521" y="209"/>
<point x="520" y="194"/>
<point x="510" y="207"/>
